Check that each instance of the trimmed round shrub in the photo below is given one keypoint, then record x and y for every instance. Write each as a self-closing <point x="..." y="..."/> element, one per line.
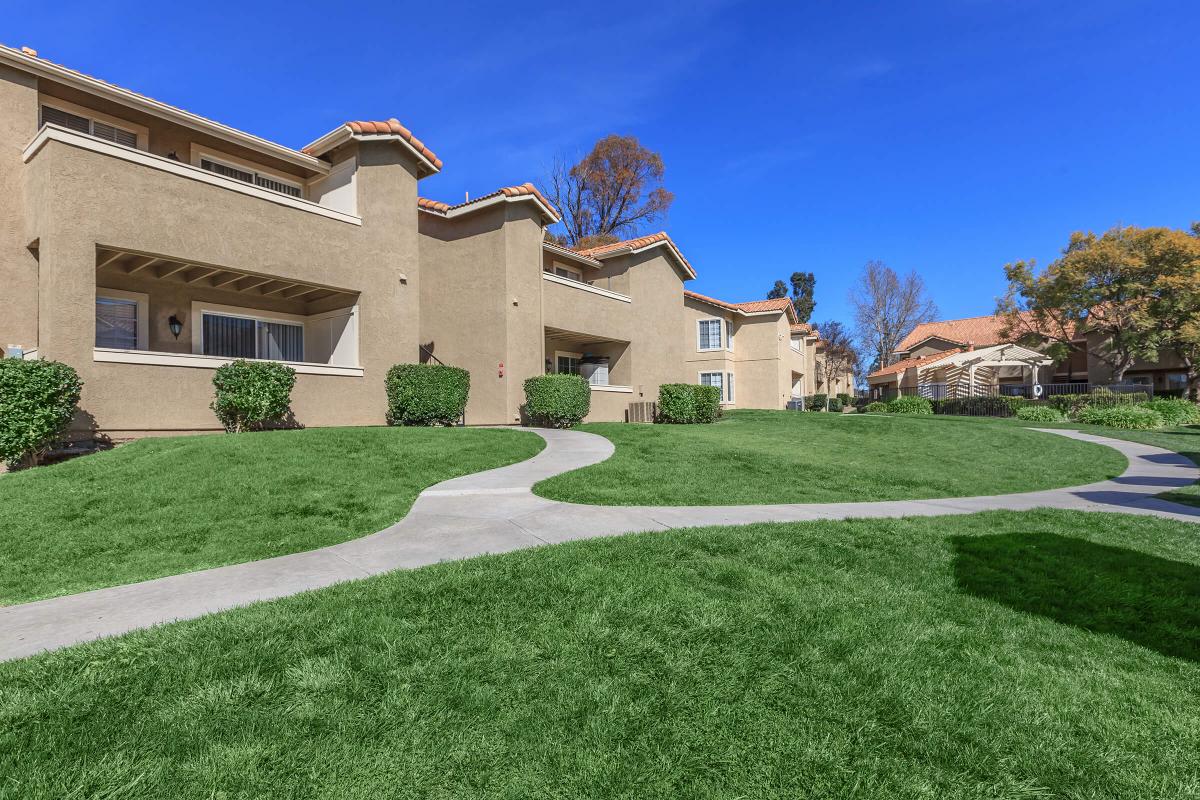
<point x="252" y="394"/>
<point x="1126" y="417"/>
<point x="816" y="402"/>
<point x="688" y="404"/>
<point x="37" y="402"/>
<point x="845" y="398"/>
<point x="1040" y="414"/>
<point x="1175" y="411"/>
<point x="876" y="407"/>
<point x="426" y="394"/>
<point x="910" y="404"/>
<point x="835" y="404"/>
<point x="557" y="401"/>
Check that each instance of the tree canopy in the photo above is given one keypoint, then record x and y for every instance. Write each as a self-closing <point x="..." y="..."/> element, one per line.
<point x="887" y="307"/>
<point x="803" y="285"/>
<point x="612" y="192"/>
<point x="1120" y="296"/>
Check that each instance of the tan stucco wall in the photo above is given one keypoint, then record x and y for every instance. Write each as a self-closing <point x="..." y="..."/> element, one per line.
<point x="762" y="361"/>
<point x="18" y="267"/>
<point x="79" y="200"/>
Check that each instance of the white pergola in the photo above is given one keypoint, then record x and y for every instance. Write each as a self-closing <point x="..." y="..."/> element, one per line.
<point x="969" y="372"/>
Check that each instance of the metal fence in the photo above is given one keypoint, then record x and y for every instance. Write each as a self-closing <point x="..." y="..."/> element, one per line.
<point x="939" y="391"/>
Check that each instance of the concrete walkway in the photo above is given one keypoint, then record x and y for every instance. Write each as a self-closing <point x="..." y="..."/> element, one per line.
<point x="495" y="512"/>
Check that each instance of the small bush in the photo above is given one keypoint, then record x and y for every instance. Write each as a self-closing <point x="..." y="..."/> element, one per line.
<point x="1175" y="411"/>
<point x="688" y="403"/>
<point x="835" y="405"/>
<point x="989" y="406"/>
<point x="815" y="402"/>
<point x="37" y="402"/>
<point x="1040" y="414"/>
<point x="252" y="394"/>
<point x="875" y="408"/>
<point x="845" y="398"/>
<point x="1100" y="397"/>
<point x="910" y="404"/>
<point x="426" y="394"/>
<point x="557" y="401"/>
<point x="1127" y="417"/>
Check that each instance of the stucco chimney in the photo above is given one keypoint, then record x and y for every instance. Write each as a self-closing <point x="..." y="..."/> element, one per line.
<point x="970" y="346"/>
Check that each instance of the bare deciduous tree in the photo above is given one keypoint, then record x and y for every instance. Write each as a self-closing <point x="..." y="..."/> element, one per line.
<point x="614" y="191"/>
<point x="838" y="354"/>
<point x="886" y="309"/>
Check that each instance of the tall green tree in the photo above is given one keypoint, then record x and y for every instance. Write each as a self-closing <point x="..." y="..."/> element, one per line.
<point x="1104" y="295"/>
<point x="1175" y="310"/>
<point x="803" y="284"/>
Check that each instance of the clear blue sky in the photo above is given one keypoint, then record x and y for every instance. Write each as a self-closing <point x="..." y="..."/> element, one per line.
<point x="947" y="137"/>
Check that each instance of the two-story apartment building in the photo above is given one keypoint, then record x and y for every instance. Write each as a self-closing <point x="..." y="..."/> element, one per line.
<point x="145" y="246"/>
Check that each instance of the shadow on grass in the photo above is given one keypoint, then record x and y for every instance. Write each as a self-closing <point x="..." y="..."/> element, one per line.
<point x="1151" y="601"/>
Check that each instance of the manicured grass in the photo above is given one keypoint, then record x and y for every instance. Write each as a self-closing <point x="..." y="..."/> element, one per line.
<point x="788" y="457"/>
<point x="1040" y="654"/>
<point x="163" y="506"/>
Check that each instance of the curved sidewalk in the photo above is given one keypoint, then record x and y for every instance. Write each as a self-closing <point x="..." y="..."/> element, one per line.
<point x="496" y="512"/>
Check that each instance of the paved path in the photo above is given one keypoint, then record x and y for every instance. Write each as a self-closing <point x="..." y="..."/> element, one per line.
<point x="495" y="512"/>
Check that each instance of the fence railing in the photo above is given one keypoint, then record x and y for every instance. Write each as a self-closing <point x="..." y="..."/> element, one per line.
<point x="940" y="391"/>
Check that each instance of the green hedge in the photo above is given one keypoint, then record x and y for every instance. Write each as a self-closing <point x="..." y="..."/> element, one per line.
<point x="688" y="403"/>
<point x="876" y="407"/>
<point x="1175" y="411"/>
<point x="1039" y="413"/>
<point x="37" y="402"/>
<point x="557" y="401"/>
<point x="1128" y="417"/>
<point x="835" y="404"/>
<point x="816" y="402"/>
<point x="1072" y="404"/>
<point x="252" y="394"/>
<point x="426" y="394"/>
<point x="910" y="404"/>
<point x="845" y="398"/>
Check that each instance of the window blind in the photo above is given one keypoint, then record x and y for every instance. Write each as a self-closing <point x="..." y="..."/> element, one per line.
<point x="241" y="337"/>
<point x="116" y="323"/>
<point x="101" y="130"/>
<point x="710" y="334"/>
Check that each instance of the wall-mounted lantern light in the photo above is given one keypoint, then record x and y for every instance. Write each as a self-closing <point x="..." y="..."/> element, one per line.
<point x="175" y="325"/>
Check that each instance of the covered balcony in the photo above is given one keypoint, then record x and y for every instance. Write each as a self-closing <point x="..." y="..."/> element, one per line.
<point x="161" y="310"/>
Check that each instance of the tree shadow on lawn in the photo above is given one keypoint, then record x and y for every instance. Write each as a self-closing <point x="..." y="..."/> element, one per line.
<point x="1151" y="601"/>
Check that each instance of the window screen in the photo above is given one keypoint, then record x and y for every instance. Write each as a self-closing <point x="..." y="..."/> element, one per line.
<point x="241" y="337"/>
<point x="116" y="323"/>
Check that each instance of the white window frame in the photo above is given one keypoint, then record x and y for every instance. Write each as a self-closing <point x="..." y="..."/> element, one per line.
<point x="140" y="131"/>
<point x="563" y="271"/>
<point x="577" y="356"/>
<point x="728" y="396"/>
<point x="199" y="309"/>
<point x="700" y="323"/>
<point x="143" y="312"/>
<point x="201" y="154"/>
<point x="729" y="335"/>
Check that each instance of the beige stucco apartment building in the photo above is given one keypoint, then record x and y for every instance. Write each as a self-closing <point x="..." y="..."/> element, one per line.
<point x="146" y="246"/>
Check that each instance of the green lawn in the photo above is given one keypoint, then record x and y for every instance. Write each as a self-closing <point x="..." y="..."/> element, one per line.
<point x="163" y="506"/>
<point x="786" y="457"/>
<point x="1040" y="654"/>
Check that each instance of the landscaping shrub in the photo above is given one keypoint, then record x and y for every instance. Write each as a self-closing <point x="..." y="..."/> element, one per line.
<point x="37" y="402"/>
<point x="835" y="404"/>
<point x="252" y="394"/>
<point x="1128" y="417"/>
<point x="989" y="406"/>
<point x="1039" y="413"/>
<point x="557" y="401"/>
<point x="687" y="403"/>
<point x="815" y="402"/>
<point x="845" y="398"/>
<point x="426" y="394"/>
<point x="1175" y="411"/>
<point x="876" y="407"/>
<point x="910" y="404"/>
<point x="1100" y="397"/>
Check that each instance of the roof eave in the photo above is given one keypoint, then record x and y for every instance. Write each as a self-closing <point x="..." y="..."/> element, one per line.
<point x="341" y="135"/>
<point x="45" y="69"/>
<point x="472" y="206"/>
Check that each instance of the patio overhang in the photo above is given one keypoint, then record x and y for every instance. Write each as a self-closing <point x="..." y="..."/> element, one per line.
<point x="1000" y="355"/>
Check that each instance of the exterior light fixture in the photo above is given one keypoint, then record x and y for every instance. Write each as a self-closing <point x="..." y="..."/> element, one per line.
<point x="175" y="325"/>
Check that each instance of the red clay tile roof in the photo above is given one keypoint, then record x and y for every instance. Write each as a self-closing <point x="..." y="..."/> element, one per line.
<point x="901" y="366"/>
<point x="32" y="55"/>
<point x="389" y="127"/>
<point x="980" y="331"/>
<point x="524" y="190"/>
<point x="807" y="329"/>
<point x="751" y="307"/>
<point x="633" y="245"/>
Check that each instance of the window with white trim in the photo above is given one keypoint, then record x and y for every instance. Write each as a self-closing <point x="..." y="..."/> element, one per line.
<point x="565" y="272"/>
<point x="708" y="334"/>
<point x="248" y="337"/>
<point x="81" y="124"/>
<point x="250" y="176"/>
<point x="729" y="335"/>
<point x="722" y="380"/>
